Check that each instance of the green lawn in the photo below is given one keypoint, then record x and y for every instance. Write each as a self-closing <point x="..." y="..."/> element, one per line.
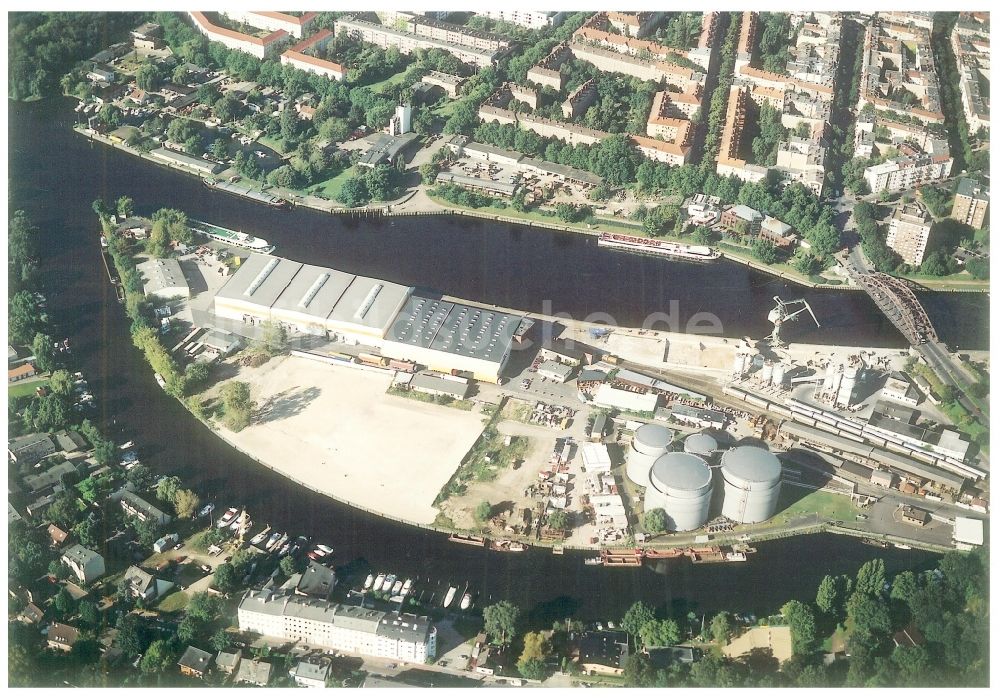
<point x="447" y="109"/>
<point x="331" y="188"/>
<point x="174" y="602"/>
<point x="26" y="388"/>
<point x="830" y="506"/>
<point x="272" y="143"/>
<point x="388" y="82"/>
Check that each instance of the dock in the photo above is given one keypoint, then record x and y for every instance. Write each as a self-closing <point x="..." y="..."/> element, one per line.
<point x="468" y="539"/>
<point x="247" y="191"/>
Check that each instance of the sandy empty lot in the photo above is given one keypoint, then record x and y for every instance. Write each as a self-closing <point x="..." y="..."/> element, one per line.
<point x="777" y="638"/>
<point x="336" y="430"/>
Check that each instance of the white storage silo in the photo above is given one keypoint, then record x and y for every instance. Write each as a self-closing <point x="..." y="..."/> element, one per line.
<point x="682" y="485"/>
<point x="752" y="483"/>
<point x="700" y="444"/>
<point x="740" y="364"/>
<point x="649" y="443"/>
<point x="766" y="372"/>
<point x="778" y="375"/>
<point x="846" y="390"/>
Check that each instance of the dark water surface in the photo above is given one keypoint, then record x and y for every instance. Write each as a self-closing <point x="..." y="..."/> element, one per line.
<point x="55" y="175"/>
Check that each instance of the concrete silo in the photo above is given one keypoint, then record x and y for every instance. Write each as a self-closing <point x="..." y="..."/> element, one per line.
<point x="682" y="485"/>
<point x="700" y="444"/>
<point x="649" y="443"/>
<point x="845" y="393"/>
<point x="751" y="483"/>
<point x="778" y="375"/>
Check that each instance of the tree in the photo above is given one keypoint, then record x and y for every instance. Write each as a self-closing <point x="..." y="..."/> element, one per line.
<point x="913" y="662"/>
<point x="637" y="616"/>
<point x="111" y="115"/>
<point x="64" y="511"/>
<point x="158" y="244"/>
<point x="88" y="532"/>
<point x="167" y="487"/>
<point x="228" y="108"/>
<point x="147" y="77"/>
<point x="868" y="614"/>
<point x="61" y="383"/>
<point x="186" y="503"/>
<point x="88" y="613"/>
<point x="273" y="339"/>
<point x="664" y="632"/>
<point x="764" y="251"/>
<point x="827" y="595"/>
<point x="42" y="346"/>
<point x="237" y="405"/>
<point x="219" y="149"/>
<point x="483" y="511"/>
<point x="133" y="636"/>
<point x="23" y="317"/>
<point x="140" y="477"/>
<point x="353" y="192"/>
<point x="147" y="532"/>
<point x="978" y="267"/>
<point x="189" y="629"/>
<point x="532" y="669"/>
<point x="871" y="578"/>
<point x="536" y="647"/>
<point x="64" y="604"/>
<point x="721" y="628"/>
<point x="559" y="520"/>
<point x="637" y="671"/>
<point x="221" y="640"/>
<point x="288" y="566"/>
<point x="125" y="206"/>
<point x="655" y="520"/>
<point x="500" y="621"/>
<point x="225" y="579"/>
<point x="158" y="657"/>
<point x="904" y="585"/>
<point x="803" y="626"/>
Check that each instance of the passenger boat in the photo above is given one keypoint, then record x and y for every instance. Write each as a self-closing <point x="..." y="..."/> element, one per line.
<point x="659" y="248"/>
<point x="396" y="587"/>
<point x="379" y="579"/>
<point x="369" y="580"/>
<point x="389" y="580"/>
<point x="259" y="537"/>
<point x="272" y="541"/>
<point x="231" y="237"/>
<point x="466" y="601"/>
<point x="406" y="587"/>
<point x="594" y="561"/>
<point x="228" y="518"/>
<point x="448" y="598"/>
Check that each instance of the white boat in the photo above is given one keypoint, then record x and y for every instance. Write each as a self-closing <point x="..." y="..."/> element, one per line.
<point x="736" y="556"/>
<point x="206" y="510"/>
<point x="659" y="248"/>
<point x="396" y="587"/>
<point x="127" y="445"/>
<point x="280" y="543"/>
<point x="324" y="548"/>
<point x="259" y="538"/>
<point x="285" y="549"/>
<point x="228" y="518"/>
<point x="272" y="541"/>
<point x="406" y="587"/>
<point x="466" y="601"/>
<point x="159" y="380"/>
<point x="450" y="596"/>
<point x="368" y="582"/>
<point x="595" y="561"/>
<point x="243" y="517"/>
<point x="387" y="585"/>
<point x="230" y="237"/>
<point x="379" y="579"/>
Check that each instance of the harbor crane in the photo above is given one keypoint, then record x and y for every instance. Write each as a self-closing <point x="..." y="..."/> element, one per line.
<point x="781" y="314"/>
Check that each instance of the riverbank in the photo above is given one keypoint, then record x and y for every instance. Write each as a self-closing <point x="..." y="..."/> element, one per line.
<point x="419" y="203"/>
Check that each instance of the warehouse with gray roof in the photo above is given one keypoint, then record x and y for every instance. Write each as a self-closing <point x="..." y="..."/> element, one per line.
<point x="441" y="335"/>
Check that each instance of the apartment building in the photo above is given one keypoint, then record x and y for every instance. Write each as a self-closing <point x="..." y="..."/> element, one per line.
<point x="907" y="172"/>
<point x="295" y="25"/>
<point x="729" y="161"/>
<point x="970" y="40"/>
<point x="580" y="99"/>
<point x="407" y="42"/>
<point x="546" y="71"/>
<point x="259" y="47"/>
<point x="300" y="56"/>
<point x="909" y="231"/>
<point x="971" y="203"/>
<point x="356" y="630"/>
<point x="532" y="19"/>
<point x="802" y="160"/>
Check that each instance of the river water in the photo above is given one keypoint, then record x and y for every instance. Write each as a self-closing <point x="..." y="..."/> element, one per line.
<point x="56" y="174"/>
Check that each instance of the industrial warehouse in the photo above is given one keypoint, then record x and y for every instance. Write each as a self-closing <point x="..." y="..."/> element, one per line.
<point x="352" y="309"/>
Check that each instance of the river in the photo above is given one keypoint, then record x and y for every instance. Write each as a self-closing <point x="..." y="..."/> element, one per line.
<point x="56" y="174"/>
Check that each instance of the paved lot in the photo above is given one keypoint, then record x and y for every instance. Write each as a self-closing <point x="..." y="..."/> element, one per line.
<point x="336" y="430"/>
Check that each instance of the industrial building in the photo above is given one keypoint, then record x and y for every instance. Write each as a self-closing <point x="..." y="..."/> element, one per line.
<point x="627" y="401"/>
<point x="163" y="279"/>
<point x="681" y="484"/>
<point x="899" y="389"/>
<point x="649" y="443"/>
<point x="404" y="637"/>
<point x="440" y="335"/>
<point x="752" y="484"/>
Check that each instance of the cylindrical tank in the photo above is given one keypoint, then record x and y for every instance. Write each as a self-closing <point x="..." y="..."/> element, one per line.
<point x="766" y="372"/>
<point x="846" y="391"/>
<point x="778" y="375"/>
<point x="682" y="485"/>
<point x="649" y="443"/>
<point x="700" y="444"/>
<point x="739" y="364"/>
<point x="752" y="483"/>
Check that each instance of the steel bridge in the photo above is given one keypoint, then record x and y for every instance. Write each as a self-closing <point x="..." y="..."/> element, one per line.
<point x="897" y="301"/>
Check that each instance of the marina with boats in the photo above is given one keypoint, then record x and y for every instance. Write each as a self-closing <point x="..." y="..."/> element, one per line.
<point x="659" y="248"/>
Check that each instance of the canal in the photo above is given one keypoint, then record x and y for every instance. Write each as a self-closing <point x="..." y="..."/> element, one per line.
<point x="54" y="177"/>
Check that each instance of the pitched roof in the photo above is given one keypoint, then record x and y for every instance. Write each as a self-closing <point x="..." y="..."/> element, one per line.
<point x="195" y="659"/>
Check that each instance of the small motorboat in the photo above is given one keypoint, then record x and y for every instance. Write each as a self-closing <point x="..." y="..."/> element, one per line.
<point x="406" y="587"/>
<point x="368" y="581"/>
<point x="272" y="541"/>
<point x="396" y="587"/>
<point x="379" y="579"/>
<point x="259" y="538"/>
<point x="228" y="518"/>
<point x="389" y="581"/>
<point x="448" y="598"/>
<point x="466" y="601"/>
